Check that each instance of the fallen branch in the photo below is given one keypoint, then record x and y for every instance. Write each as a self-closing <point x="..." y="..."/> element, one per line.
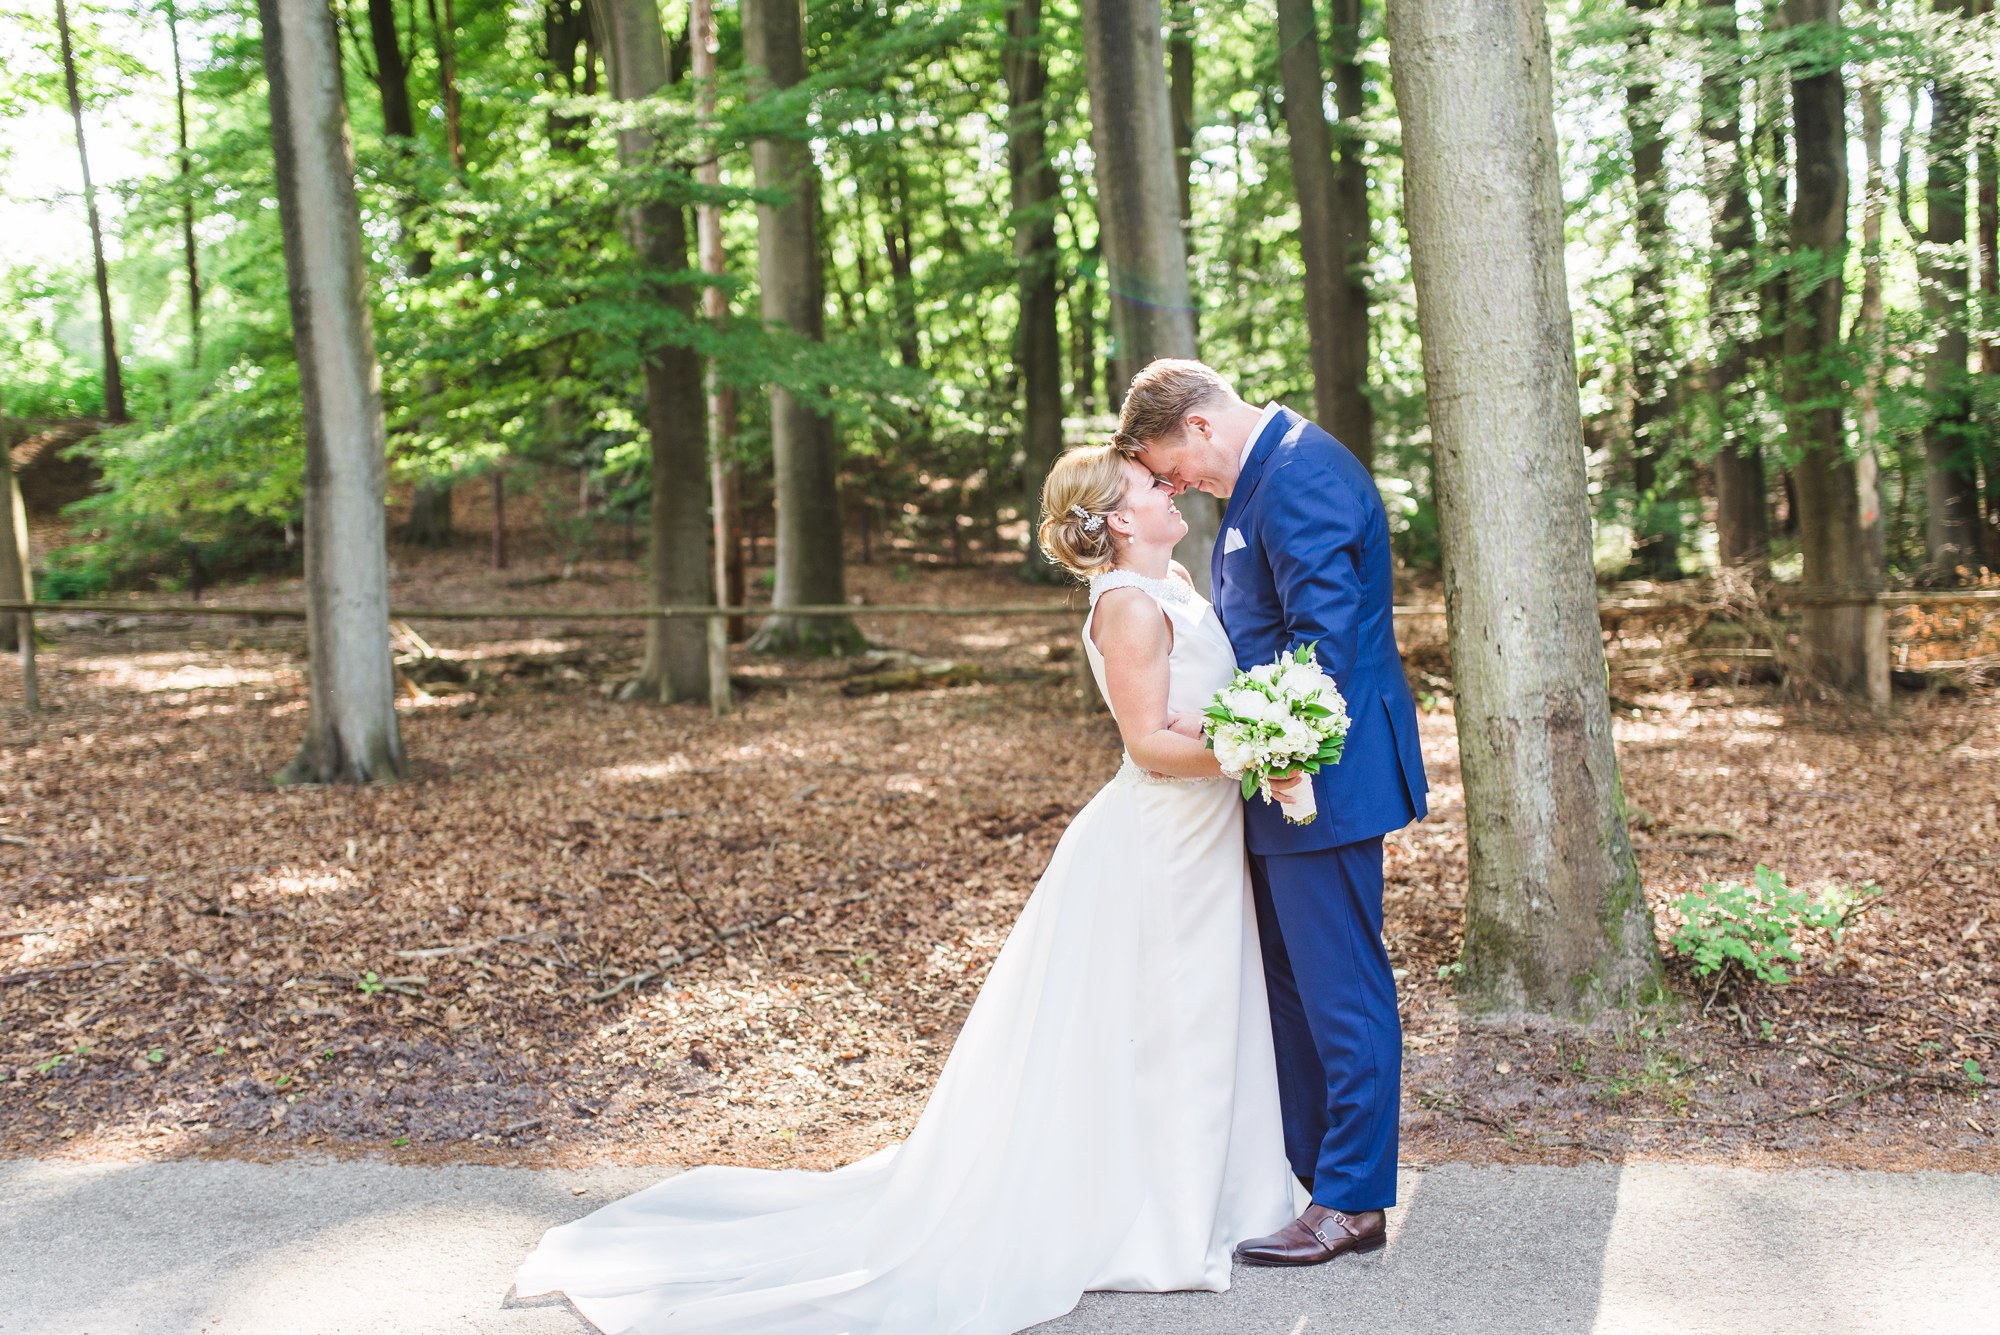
<point x="1698" y="832"/>
<point x="1919" y="1077"/>
<point x="1810" y="1110"/>
<point x="27" y="975"/>
<point x="438" y="952"/>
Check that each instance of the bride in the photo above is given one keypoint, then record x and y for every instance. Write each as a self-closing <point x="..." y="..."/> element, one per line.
<point x="1108" y="1118"/>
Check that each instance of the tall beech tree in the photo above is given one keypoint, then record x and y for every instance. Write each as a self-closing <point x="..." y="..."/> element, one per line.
<point x="190" y="259"/>
<point x="1554" y="917"/>
<point x="351" y="730"/>
<point x="1835" y="633"/>
<point x="677" y="568"/>
<point x="725" y="484"/>
<point x="1138" y="212"/>
<point x="1951" y="533"/>
<point x="429" y="521"/>
<point x="1333" y="215"/>
<point x="16" y="579"/>
<point x="1741" y="516"/>
<point x="1870" y="330"/>
<point x="107" y="329"/>
<point x="1656" y="528"/>
<point x="1034" y="193"/>
<point x="804" y="447"/>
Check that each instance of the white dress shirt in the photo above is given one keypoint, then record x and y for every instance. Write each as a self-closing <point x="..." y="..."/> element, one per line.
<point x="1256" y="433"/>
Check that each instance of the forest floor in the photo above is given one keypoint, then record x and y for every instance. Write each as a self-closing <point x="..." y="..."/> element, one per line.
<point x="592" y="931"/>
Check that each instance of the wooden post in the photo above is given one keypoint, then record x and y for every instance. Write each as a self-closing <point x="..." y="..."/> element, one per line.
<point x="718" y="665"/>
<point x="1875" y="640"/>
<point x="31" y="691"/>
<point x="499" y="521"/>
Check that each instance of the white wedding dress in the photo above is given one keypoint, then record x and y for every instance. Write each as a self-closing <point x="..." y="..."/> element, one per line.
<point x="1108" y="1118"/>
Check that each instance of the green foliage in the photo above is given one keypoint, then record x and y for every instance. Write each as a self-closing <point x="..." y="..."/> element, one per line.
<point x="513" y="320"/>
<point x="1753" y="926"/>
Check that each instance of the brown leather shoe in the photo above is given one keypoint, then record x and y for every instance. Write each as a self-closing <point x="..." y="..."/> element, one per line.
<point x="1317" y="1235"/>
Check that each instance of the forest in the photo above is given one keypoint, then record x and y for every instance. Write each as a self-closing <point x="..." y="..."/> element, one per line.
<point x="1670" y="335"/>
<point x="966" y="311"/>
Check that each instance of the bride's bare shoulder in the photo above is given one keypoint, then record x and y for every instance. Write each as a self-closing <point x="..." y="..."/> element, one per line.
<point x="1130" y="620"/>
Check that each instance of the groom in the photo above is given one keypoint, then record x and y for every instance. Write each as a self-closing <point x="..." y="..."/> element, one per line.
<point x="1303" y="557"/>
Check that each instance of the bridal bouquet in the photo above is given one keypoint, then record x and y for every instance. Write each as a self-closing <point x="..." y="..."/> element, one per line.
<point x="1279" y="716"/>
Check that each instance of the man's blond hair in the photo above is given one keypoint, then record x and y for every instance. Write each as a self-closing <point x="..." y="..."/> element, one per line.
<point x="1161" y="397"/>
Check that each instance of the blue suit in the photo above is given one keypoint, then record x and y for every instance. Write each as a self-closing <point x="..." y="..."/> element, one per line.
<point x="1313" y="567"/>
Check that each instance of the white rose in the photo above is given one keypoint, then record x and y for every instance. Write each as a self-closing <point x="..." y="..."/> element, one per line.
<point x="1264" y="673"/>
<point x="1297" y="678"/>
<point x="1234" y="755"/>
<point x="1298" y="738"/>
<point x="1243" y="703"/>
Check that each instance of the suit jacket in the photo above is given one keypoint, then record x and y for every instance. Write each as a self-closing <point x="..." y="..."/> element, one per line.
<point x="1314" y="567"/>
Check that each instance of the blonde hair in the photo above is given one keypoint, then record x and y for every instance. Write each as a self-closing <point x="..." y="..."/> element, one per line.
<point x="1086" y="484"/>
<point x="1160" y="398"/>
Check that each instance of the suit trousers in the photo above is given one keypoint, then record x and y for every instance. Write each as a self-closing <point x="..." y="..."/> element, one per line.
<point x="1333" y="1018"/>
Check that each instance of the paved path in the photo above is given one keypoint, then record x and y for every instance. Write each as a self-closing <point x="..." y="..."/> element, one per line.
<point x="364" y="1248"/>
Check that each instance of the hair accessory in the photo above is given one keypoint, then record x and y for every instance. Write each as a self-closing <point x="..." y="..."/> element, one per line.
<point x="1091" y="522"/>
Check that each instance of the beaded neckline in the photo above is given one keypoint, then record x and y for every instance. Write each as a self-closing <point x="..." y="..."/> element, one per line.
<point x="1166" y="590"/>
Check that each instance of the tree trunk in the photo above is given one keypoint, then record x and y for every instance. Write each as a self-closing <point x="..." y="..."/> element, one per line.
<point x="1741" y="517"/>
<point x="1870" y="333"/>
<point x="1951" y="533"/>
<point x="1989" y="352"/>
<point x="1083" y="325"/>
<point x="804" y="447"/>
<point x="1774" y="200"/>
<point x="351" y="730"/>
<point x="16" y="577"/>
<point x="1181" y="19"/>
<point x="430" y="520"/>
<point x="498" y="488"/>
<point x="569" y="45"/>
<point x="902" y="266"/>
<point x="1033" y="198"/>
<point x="1555" y="919"/>
<point x="1353" y="419"/>
<point x="114" y="377"/>
<point x="676" y="663"/>
<point x="1829" y="506"/>
<point x="724" y="474"/>
<point x="1333" y="218"/>
<point x="1655" y="527"/>
<point x="183" y="173"/>
<point x="1138" y="212"/>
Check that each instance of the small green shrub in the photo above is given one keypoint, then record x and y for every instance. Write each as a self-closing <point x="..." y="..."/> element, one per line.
<point x="1754" y="926"/>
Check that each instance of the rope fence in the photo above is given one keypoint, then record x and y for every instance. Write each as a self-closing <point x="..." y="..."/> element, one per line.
<point x="719" y="617"/>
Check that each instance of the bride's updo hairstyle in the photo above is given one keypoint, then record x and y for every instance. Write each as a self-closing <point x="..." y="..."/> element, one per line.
<point x="1086" y="484"/>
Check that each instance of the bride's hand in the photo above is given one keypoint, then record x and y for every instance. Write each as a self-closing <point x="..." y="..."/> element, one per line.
<point x="1187" y="725"/>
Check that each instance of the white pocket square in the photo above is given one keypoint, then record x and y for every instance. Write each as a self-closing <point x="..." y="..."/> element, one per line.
<point x="1232" y="541"/>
